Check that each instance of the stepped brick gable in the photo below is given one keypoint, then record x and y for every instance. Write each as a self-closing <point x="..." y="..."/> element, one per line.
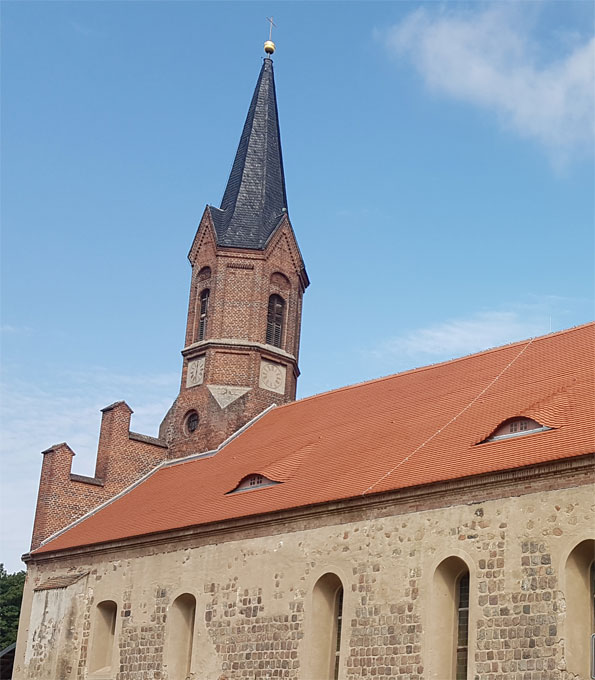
<point x="122" y="458"/>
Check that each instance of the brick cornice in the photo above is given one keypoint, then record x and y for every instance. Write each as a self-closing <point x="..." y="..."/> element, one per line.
<point x="198" y="348"/>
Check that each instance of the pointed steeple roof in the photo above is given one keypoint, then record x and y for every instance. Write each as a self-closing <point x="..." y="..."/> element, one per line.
<point x="255" y="201"/>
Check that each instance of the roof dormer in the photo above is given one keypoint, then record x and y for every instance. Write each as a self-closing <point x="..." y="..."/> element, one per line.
<point x="516" y="427"/>
<point x="254" y="481"/>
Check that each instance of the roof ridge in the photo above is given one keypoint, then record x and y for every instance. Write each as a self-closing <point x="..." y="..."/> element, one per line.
<point x="419" y="369"/>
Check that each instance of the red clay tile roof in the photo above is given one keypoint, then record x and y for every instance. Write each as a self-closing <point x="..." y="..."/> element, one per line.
<point x="409" y="429"/>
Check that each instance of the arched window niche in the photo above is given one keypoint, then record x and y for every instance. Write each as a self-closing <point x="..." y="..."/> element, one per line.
<point x="101" y="649"/>
<point x="448" y="645"/>
<point x="326" y="628"/>
<point x="180" y="636"/>
<point x="579" y="590"/>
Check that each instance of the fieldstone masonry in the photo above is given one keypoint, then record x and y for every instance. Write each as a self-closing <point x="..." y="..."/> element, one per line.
<point x="253" y="587"/>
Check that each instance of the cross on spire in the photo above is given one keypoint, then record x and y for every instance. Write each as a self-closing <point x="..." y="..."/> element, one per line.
<point x="271" y="22"/>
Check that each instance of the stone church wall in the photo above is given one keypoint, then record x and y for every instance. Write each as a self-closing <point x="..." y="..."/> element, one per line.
<point x="253" y="589"/>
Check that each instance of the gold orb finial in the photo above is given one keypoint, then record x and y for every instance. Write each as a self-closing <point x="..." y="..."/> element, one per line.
<point x="269" y="45"/>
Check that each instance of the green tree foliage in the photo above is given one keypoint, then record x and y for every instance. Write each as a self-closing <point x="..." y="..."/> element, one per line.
<point x="11" y="594"/>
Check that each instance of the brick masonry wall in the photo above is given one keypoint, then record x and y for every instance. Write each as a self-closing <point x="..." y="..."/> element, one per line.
<point x="64" y="497"/>
<point x="240" y="283"/>
<point x="254" y="587"/>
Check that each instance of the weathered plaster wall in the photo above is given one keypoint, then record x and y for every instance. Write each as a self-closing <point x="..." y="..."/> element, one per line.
<point x="254" y="593"/>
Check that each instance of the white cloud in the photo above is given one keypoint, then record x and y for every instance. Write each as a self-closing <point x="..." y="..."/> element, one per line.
<point x="488" y="58"/>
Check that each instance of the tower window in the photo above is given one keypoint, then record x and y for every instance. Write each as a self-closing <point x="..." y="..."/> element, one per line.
<point x="275" y="320"/>
<point x="191" y="422"/>
<point x="203" y="314"/>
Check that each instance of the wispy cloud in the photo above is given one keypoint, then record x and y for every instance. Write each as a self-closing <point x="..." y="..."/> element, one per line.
<point x="80" y="28"/>
<point x="37" y="414"/>
<point x="488" y="58"/>
<point x="8" y="329"/>
<point x="466" y="335"/>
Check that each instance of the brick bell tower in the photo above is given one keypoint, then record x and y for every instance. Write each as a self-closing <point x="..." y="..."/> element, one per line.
<point x="245" y="308"/>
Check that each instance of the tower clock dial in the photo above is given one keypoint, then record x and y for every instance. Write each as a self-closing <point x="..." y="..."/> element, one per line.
<point x="196" y="372"/>
<point x="272" y="377"/>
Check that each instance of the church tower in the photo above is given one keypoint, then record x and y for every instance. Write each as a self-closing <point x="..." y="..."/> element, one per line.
<point x="248" y="279"/>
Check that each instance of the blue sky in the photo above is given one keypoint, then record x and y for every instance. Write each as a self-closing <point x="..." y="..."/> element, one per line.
<point x="439" y="166"/>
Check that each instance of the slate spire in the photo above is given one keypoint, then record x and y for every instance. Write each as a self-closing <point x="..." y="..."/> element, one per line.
<point x="255" y="201"/>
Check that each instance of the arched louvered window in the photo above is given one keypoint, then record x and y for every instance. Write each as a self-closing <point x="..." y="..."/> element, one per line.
<point x="275" y="320"/>
<point x="203" y="314"/>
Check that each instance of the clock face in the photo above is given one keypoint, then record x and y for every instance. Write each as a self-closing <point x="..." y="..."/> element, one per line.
<point x="196" y="372"/>
<point x="272" y="377"/>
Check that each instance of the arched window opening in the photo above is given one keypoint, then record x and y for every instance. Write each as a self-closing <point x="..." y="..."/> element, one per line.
<point x="275" y="320"/>
<point x="181" y="636"/>
<point x="102" y="641"/>
<point x="327" y="626"/>
<point x="449" y="650"/>
<point x="580" y="608"/>
<point x="203" y="314"/>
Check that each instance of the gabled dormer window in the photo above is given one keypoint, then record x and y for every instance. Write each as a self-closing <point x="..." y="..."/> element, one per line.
<point x="253" y="482"/>
<point x="516" y="427"/>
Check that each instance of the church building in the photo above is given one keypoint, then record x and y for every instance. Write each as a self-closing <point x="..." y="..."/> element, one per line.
<point x="437" y="524"/>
